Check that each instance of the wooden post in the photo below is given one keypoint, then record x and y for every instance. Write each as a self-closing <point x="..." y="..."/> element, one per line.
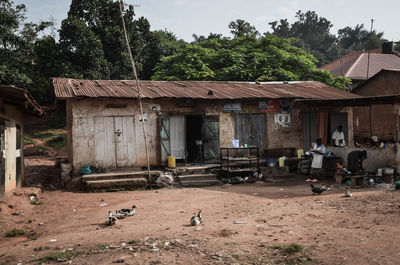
<point x="350" y="127"/>
<point x="396" y="109"/>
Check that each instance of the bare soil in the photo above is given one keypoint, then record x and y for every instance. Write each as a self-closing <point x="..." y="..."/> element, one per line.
<point x="242" y="224"/>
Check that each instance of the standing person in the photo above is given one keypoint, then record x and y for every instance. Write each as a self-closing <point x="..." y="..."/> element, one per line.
<point x="318" y="152"/>
<point x="355" y="160"/>
<point x="338" y="137"/>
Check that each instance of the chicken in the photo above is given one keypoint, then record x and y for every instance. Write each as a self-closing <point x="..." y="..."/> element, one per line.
<point x="319" y="190"/>
<point x="196" y="220"/>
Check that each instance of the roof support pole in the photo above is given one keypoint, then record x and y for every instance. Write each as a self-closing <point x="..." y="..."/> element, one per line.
<point x="350" y="126"/>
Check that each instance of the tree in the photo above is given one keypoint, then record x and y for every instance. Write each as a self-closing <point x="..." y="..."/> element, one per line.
<point x="312" y="31"/>
<point x="246" y="58"/>
<point x="240" y="28"/>
<point x="358" y="38"/>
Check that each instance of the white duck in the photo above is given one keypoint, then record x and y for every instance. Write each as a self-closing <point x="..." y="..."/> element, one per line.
<point x="129" y="212"/>
<point x="111" y="220"/>
<point x="196" y="220"/>
<point x="119" y="215"/>
<point x="348" y="193"/>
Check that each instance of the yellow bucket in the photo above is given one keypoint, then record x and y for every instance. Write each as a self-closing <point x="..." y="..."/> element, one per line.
<point x="300" y="153"/>
<point x="282" y="161"/>
<point x="171" y="162"/>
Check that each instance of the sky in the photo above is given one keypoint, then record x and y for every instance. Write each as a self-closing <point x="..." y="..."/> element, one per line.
<point x="185" y="17"/>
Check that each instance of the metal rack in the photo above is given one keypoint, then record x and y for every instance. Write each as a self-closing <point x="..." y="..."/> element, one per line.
<point x="239" y="161"/>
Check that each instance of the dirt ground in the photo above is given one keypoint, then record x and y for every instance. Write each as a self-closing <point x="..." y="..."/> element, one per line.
<point x="242" y="224"/>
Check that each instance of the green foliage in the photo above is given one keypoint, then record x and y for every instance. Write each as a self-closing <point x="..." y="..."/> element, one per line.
<point x="292" y="248"/>
<point x="60" y="256"/>
<point x="58" y="142"/>
<point x="36" y="203"/>
<point x="246" y="58"/>
<point x="28" y="140"/>
<point x="42" y="135"/>
<point x="14" y="233"/>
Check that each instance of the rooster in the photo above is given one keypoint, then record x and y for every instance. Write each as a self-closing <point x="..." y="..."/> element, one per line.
<point x="319" y="190"/>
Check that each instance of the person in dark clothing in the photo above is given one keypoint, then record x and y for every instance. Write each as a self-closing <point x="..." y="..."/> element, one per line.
<point x="355" y="160"/>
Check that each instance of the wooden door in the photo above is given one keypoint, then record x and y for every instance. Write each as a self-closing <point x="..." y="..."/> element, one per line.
<point x="210" y="133"/>
<point x="2" y="157"/>
<point x="165" y="139"/>
<point x="250" y="129"/>
<point x="115" y="141"/>
<point x="18" y="155"/>
<point x="124" y="135"/>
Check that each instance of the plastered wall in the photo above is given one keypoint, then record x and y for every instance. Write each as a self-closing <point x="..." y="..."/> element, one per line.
<point x="14" y="117"/>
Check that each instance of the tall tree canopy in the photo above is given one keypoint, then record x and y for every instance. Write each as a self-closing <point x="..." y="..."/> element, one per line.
<point x="246" y="58"/>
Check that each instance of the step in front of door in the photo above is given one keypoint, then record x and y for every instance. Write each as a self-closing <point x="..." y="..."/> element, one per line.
<point x="199" y="183"/>
<point x="116" y="184"/>
<point x="120" y="175"/>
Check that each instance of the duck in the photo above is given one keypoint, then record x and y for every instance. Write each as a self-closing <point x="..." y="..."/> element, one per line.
<point x="111" y="220"/>
<point x="348" y="193"/>
<point x="196" y="220"/>
<point x="129" y="212"/>
<point x="318" y="190"/>
<point x="119" y="215"/>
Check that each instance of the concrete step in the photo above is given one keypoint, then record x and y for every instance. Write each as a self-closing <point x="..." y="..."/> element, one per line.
<point x="119" y="175"/>
<point x="197" y="177"/>
<point x="116" y="184"/>
<point x="199" y="183"/>
<point x="196" y="169"/>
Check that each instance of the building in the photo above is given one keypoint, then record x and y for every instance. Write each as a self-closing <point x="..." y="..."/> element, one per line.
<point x="105" y="125"/>
<point x="359" y="66"/>
<point x="14" y="103"/>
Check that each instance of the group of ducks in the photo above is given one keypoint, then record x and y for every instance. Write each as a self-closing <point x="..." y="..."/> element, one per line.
<point x="112" y="218"/>
<point x="319" y="190"/>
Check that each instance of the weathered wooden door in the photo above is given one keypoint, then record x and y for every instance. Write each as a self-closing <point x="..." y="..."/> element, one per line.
<point x="310" y="129"/>
<point x="2" y="157"/>
<point x="210" y="132"/>
<point x="115" y="141"/>
<point x="250" y="130"/>
<point x="165" y="139"/>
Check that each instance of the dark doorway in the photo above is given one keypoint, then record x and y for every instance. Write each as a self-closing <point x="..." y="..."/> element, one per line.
<point x="193" y="134"/>
<point x="310" y="129"/>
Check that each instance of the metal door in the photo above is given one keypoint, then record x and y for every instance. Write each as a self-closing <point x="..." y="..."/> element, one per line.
<point x="19" y="156"/>
<point x="114" y="141"/>
<point x="3" y="127"/>
<point x="165" y="139"/>
<point x="310" y="129"/>
<point x="250" y="130"/>
<point x="210" y="133"/>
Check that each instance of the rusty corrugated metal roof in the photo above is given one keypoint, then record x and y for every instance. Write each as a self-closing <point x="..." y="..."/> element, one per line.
<point x="20" y="98"/>
<point x="71" y="88"/>
<point x="355" y="64"/>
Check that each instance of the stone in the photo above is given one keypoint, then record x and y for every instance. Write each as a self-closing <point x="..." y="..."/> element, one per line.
<point x="238" y="222"/>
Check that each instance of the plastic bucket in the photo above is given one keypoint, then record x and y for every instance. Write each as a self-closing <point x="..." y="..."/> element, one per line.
<point x="171" y="162"/>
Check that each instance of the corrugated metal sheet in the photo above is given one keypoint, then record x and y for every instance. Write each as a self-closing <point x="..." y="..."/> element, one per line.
<point x="70" y="88"/>
<point x="355" y="64"/>
<point x="21" y="98"/>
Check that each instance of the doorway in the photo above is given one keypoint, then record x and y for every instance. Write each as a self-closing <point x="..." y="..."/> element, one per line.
<point x="250" y="130"/>
<point x="2" y="157"/>
<point x="194" y="138"/>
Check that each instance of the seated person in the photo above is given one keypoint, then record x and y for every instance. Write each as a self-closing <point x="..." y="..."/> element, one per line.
<point x="338" y="137"/>
<point x="355" y="160"/>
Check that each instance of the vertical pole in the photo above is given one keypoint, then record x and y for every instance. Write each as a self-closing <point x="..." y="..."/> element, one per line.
<point x="369" y="48"/>
<point x="350" y="126"/>
<point x="138" y="89"/>
<point x="370" y="122"/>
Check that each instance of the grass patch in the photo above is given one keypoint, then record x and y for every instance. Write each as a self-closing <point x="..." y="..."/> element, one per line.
<point x="28" y="140"/>
<point x="42" y="135"/>
<point x="14" y="233"/>
<point x="58" y="142"/>
<point x="102" y="247"/>
<point x="60" y="256"/>
<point x="36" y="203"/>
<point x="292" y="248"/>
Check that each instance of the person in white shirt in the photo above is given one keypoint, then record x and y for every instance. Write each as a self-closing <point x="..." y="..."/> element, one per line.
<point x="338" y="137"/>
<point x="318" y="152"/>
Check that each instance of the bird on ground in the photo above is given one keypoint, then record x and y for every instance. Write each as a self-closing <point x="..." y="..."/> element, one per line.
<point x="111" y="219"/>
<point x="348" y="193"/>
<point x="196" y="220"/>
<point x="319" y="190"/>
<point x="119" y="215"/>
<point x="129" y="212"/>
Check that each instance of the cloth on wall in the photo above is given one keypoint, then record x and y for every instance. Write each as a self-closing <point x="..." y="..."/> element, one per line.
<point x="177" y="136"/>
<point x="323" y="126"/>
